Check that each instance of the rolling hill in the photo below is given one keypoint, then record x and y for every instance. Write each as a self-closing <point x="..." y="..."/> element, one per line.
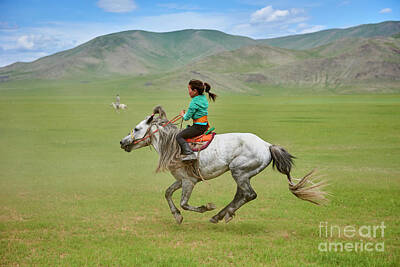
<point x="368" y="64"/>
<point x="128" y="53"/>
<point x="311" y="40"/>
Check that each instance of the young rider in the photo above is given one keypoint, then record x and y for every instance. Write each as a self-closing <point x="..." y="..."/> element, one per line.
<point x="198" y="111"/>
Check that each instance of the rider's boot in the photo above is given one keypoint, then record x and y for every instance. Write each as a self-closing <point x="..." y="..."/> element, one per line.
<point x="187" y="153"/>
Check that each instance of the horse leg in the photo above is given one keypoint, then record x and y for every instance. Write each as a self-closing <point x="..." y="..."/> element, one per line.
<point x="168" y="195"/>
<point x="187" y="188"/>
<point x="244" y="193"/>
<point x="220" y="215"/>
<point x="242" y="169"/>
<point x="248" y="194"/>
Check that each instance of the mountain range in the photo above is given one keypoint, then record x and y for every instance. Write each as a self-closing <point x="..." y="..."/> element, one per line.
<point x="365" y="55"/>
<point x="311" y="40"/>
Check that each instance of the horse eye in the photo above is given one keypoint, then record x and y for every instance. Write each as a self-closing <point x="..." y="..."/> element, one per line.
<point x="136" y="129"/>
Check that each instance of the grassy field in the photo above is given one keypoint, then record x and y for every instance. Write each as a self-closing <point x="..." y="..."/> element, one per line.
<point x="70" y="196"/>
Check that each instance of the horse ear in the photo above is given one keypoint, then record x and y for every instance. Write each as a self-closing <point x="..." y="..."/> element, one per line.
<point x="159" y="110"/>
<point x="150" y="119"/>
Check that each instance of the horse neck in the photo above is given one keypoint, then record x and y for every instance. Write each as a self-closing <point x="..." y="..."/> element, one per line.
<point x="157" y="137"/>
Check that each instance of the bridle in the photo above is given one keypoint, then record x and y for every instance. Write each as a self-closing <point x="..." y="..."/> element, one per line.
<point x="148" y="135"/>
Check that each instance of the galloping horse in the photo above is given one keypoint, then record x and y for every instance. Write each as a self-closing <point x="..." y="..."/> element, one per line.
<point x="243" y="154"/>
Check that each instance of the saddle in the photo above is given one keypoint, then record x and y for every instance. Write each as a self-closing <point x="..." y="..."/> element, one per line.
<point x="200" y="142"/>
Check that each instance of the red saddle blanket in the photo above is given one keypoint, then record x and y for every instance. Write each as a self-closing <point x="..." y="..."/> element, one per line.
<point x="200" y="142"/>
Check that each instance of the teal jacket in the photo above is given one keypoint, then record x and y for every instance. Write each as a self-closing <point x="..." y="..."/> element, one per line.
<point x="198" y="108"/>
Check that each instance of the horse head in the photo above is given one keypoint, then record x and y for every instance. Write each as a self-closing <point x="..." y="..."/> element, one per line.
<point x="136" y="138"/>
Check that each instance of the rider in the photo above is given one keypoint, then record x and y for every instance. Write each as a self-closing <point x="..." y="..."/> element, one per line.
<point x="117" y="101"/>
<point x="198" y="111"/>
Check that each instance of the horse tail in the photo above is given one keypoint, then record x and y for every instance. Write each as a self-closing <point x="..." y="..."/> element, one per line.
<point x="283" y="161"/>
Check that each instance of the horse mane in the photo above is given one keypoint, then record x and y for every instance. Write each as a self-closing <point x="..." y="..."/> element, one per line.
<point x="159" y="110"/>
<point x="169" y="149"/>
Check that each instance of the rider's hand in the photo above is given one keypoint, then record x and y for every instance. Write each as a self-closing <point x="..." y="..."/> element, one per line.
<point x="182" y="113"/>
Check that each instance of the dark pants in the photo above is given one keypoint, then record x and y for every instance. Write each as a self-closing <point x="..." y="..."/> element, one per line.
<point x="189" y="132"/>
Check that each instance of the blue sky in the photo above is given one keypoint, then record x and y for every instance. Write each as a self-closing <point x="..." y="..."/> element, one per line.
<point x="30" y="29"/>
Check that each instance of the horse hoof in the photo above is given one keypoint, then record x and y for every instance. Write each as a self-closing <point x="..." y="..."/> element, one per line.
<point x="178" y="218"/>
<point x="213" y="220"/>
<point x="228" y="217"/>
<point x="210" y="206"/>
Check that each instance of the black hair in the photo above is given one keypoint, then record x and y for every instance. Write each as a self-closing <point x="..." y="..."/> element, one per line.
<point x="200" y="87"/>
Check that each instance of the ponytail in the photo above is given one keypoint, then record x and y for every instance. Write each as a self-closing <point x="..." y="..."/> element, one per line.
<point x="211" y="96"/>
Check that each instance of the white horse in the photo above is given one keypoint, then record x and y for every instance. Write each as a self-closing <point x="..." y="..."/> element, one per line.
<point x="118" y="107"/>
<point x="244" y="154"/>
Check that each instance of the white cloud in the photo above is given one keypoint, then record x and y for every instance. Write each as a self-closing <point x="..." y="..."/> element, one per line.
<point x="297" y="11"/>
<point x="268" y="14"/>
<point x="385" y="10"/>
<point x="117" y="6"/>
<point x="25" y="42"/>
<point x="35" y="40"/>
<point x="30" y="43"/>
<point x="268" y="22"/>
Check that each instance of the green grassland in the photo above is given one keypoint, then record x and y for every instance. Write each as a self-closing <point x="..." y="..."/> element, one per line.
<point x="70" y="196"/>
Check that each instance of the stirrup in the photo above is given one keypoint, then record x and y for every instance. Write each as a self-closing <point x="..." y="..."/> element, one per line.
<point x="190" y="157"/>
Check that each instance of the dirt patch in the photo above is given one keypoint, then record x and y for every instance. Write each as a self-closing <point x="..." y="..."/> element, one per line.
<point x="10" y="215"/>
<point x="255" y="78"/>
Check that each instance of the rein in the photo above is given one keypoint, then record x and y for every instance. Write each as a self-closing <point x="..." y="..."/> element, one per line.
<point x="149" y="135"/>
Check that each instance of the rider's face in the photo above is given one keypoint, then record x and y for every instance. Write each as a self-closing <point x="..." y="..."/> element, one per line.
<point x="192" y="93"/>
